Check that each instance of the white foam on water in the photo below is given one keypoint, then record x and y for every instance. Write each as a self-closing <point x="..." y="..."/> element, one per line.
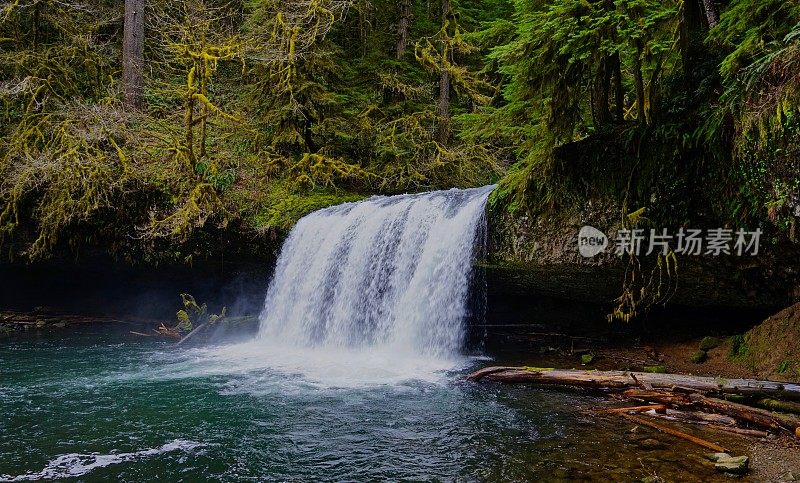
<point x="74" y="465"/>
<point x="327" y="367"/>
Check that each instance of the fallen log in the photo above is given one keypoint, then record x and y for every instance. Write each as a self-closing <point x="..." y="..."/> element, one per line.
<point x="620" y="380"/>
<point x="674" y="432"/>
<point x="700" y="417"/>
<point x="663" y="397"/>
<point x="759" y="418"/>
<point x="711" y="421"/>
<point x="165" y="331"/>
<point x="658" y="408"/>
<point x="754" y="433"/>
<point x="775" y="405"/>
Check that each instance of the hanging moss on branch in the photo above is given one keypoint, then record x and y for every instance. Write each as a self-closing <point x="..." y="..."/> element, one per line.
<point x="641" y="291"/>
<point x="200" y="205"/>
<point x="66" y="172"/>
<point x="319" y="170"/>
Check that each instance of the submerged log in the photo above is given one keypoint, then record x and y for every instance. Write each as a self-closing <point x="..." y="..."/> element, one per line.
<point x="621" y="380"/>
<point x="674" y="432"/>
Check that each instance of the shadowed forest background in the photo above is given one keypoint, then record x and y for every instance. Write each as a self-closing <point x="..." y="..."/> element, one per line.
<point x="239" y="117"/>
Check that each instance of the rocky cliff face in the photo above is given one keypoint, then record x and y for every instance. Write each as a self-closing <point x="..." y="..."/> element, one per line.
<point x="538" y="254"/>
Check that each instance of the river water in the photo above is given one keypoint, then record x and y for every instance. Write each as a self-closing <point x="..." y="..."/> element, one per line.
<point x="102" y="405"/>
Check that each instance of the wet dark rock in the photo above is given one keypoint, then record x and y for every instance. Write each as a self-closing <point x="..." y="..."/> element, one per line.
<point x="651" y="444"/>
<point x="736" y="465"/>
<point x="717" y="456"/>
<point x="791" y="476"/>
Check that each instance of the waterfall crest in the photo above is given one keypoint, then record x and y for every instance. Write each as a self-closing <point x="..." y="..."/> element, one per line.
<point x="390" y="272"/>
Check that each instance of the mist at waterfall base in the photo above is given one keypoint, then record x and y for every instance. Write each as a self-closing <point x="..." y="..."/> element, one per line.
<point x="357" y="374"/>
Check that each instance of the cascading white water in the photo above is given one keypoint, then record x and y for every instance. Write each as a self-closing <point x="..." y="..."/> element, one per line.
<point x="389" y="272"/>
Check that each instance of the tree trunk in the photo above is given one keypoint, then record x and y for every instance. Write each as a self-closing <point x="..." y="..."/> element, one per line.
<point x="444" y="76"/>
<point x="711" y="13"/>
<point x="444" y="106"/>
<point x="403" y="26"/>
<point x="620" y="381"/>
<point x="204" y="108"/>
<point x="188" y="121"/>
<point x="600" y="90"/>
<point x="619" y="93"/>
<point x="651" y="93"/>
<point x="37" y="20"/>
<point x="133" y="53"/>
<point x="691" y="42"/>
<point x="637" y="72"/>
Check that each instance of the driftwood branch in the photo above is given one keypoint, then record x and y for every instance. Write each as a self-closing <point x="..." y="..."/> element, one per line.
<point x="674" y="432"/>
<point x="196" y="331"/>
<point x="658" y="408"/>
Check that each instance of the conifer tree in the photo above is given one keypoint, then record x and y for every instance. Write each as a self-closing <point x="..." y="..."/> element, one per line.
<point x="133" y="53"/>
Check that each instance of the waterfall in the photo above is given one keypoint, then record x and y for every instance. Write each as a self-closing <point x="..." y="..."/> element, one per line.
<point x="389" y="272"/>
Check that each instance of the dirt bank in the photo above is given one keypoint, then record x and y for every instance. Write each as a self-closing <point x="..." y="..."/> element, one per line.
<point x="772" y="349"/>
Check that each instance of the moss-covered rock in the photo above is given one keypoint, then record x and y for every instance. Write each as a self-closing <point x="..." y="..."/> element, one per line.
<point x="709" y="343"/>
<point x="699" y="357"/>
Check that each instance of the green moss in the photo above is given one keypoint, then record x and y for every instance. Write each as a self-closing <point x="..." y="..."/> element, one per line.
<point x="708" y="343"/>
<point x="283" y="207"/>
<point x="699" y="357"/>
<point x="739" y="347"/>
<point x="655" y="369"/>
<point x="539" y="369"/>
